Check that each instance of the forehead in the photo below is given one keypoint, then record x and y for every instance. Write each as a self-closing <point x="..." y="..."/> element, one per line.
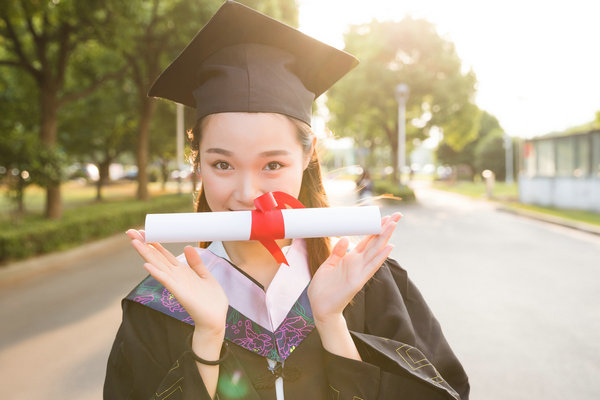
<point x="249" y="131"/>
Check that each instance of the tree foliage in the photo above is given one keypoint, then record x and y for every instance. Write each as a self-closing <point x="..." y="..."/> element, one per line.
<point x="490" y="154"/>
<point x="484" y="152"/>
<point x="363" y="104"/>
<point x="74" y="77"/>
<point x="41" y="39"/>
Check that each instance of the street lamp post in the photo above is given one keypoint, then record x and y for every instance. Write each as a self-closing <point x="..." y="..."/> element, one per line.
<point x="402" y="92"/>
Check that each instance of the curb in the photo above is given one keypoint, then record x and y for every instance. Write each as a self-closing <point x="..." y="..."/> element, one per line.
<point x="20" y="270"/>
<point x="552" y="219"/>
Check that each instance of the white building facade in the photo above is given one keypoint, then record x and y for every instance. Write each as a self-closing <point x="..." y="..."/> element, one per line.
<point x="561" y="171"/>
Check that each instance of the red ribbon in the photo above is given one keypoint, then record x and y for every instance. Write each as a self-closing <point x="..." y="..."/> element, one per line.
<point x="267" y="221"/>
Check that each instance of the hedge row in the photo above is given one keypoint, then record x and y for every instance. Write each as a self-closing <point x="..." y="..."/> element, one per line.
<point x="387" y="187"/>
<point x="83" y="224"/>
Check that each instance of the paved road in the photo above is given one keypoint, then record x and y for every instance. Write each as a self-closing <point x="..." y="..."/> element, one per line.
<point x="518" y="301"/>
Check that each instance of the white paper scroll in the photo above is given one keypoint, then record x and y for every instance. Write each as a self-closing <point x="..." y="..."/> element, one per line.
<point x="236" y="225"/>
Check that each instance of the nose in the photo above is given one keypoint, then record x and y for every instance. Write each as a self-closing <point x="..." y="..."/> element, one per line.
<point x="248" y="189"/>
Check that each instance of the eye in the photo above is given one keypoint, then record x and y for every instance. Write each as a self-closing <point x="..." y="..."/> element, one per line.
<point x="273" y="165"/>
<point x="222" y="165"/>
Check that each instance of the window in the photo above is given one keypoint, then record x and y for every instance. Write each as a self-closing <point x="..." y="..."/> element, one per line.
<point x="565" y="156"/>
<point x="544" y="152"/>
<point x="582" y="156"/>
<point x="596" y="154"/>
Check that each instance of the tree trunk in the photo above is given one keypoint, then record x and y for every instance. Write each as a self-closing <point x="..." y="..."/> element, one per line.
<point x="103" y="177"/>
<point x="164" y="170"/>
<point x="20" y="194"/>
<point x="48" y="128"/>
<point x="148" y="106"/>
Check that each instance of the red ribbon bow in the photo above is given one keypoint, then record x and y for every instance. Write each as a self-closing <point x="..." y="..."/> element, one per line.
<point x="267" y="221"/>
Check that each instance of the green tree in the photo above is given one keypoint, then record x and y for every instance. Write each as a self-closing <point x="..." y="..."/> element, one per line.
<point x="467" y="158"/>
<point x="282" y="10"/>
<point x="363" y="104"/>
<point x="490" y="154"/>
<point x="150" y="34"/>
<point x="163" y="138"/>
<point x="100" y="127"/>
<point x="41" y="38"/>
<point x="23" y="159"/>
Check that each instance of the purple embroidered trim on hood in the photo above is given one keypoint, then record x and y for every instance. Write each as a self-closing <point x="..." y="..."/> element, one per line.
<point x="239" y="329"/>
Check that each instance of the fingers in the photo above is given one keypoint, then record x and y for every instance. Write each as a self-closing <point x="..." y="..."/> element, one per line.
<point x="396" y="216"/>
<point x="159" y="275"/>
<point x="376" y="262"/>
<point x="365" y="241"/>
<point x="195" y="261"/>
<point x="150" y="254"/>
<point x="339" y="250"/>
<point x="379" y="242"/>
<point x="141" y="237"/>
<point x="134" y="234"/>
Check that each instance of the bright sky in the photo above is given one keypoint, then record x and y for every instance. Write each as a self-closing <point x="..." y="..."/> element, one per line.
<point x="537" y="62"/>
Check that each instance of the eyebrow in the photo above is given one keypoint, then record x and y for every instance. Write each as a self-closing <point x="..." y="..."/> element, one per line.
<point x="219" y="151"/>
<point x="269" y="153"/>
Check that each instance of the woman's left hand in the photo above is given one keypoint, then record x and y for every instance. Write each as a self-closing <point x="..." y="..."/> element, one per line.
<point x="344" y="273"/>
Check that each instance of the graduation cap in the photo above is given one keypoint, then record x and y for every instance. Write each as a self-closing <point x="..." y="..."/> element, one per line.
<point x="245" y="61"/>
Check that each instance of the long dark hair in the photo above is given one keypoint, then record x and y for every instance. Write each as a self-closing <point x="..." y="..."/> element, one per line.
<point x="312" y="192"/>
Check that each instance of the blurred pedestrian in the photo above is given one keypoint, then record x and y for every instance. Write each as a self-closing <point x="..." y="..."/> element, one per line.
<point x="364" y="185"/>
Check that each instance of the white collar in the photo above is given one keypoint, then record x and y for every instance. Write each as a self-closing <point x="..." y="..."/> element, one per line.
<point x="267" y="308"/>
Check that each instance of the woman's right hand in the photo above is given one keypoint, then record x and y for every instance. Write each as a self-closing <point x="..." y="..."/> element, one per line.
<point x="193" y="286"/>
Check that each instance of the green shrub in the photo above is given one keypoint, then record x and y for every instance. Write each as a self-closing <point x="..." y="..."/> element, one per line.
<point x="83" y="224"/>
<point x="388" y="187"/>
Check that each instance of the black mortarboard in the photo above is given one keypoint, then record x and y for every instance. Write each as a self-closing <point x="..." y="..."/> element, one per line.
<point x="242" y="60"/>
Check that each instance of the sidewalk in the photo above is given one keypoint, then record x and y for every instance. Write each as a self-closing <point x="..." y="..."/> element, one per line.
<point x="19" y="270"/>
<point x="540" y="216"/>
<point x="552" y="219"/>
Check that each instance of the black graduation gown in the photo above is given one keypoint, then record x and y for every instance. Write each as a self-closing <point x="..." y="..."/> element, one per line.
<point x="404" y="353"/>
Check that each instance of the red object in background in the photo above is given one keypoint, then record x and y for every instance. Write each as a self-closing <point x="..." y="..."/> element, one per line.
<point x="528" y="151"/>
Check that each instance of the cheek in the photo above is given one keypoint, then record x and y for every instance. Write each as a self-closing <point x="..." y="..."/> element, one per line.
<point x="215" y="190"/>
<point x="291" y="181"/>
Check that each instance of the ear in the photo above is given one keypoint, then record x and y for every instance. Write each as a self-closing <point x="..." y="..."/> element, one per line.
<point x="309" y="155"/>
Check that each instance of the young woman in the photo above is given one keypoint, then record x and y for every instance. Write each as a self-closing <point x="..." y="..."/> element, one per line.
<point x="226" y="320"/>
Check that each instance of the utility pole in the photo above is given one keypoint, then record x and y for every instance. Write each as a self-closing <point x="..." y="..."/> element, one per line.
<point x="402" y="92"/>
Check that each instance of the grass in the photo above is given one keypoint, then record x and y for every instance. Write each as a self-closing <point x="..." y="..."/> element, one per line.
<point x="502" y="191"/>
<point x="75" y="195"/>
<point x="574" y="215"/>
<point x="508" y="195"/>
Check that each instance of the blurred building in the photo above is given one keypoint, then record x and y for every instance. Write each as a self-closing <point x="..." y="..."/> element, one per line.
<point x="561" y="171"/>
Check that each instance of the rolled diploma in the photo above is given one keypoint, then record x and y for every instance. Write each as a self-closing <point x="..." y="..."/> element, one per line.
<point x="236" y="225"/>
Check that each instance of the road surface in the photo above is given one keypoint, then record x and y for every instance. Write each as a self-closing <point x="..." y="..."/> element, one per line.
<point x="517" y="299"/>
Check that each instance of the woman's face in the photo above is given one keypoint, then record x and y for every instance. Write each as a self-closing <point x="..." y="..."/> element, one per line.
<point x="244" y="155"/>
